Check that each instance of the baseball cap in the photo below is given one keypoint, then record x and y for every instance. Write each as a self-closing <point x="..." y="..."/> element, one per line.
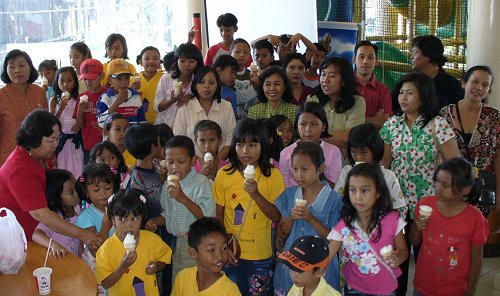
<point x="306" y="253"/>
<point x="90" y="69"/>
<point x="119" y="66"/>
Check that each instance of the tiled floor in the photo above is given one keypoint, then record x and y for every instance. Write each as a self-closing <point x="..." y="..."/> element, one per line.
<point x="486" y="285"/>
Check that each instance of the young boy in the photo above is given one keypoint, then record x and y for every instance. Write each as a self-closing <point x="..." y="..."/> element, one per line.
<point x="307" y="260"/>
<point x="208" y="138"/>
<point x="264" y="54"/>
<point x="227" y="66"/>
<point x="86" y="111"/>
<point x="246" y="82"/>
<point x="207" y="245"/>
<point x="185" y="197"/>
<point x="120" y="98"/>
<point x="143" y="143"/>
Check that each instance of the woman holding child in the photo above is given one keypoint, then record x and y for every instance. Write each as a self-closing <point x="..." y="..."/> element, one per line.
<point x="22" y="178"/>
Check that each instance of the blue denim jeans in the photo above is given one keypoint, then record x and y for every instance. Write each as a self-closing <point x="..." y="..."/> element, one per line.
<point x="253" y="277"/>
<point x="348" y="291"/>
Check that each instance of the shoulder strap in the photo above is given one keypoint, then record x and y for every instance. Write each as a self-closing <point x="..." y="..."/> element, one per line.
<point x="246" y="213"/>
<point x="462" y="129"/>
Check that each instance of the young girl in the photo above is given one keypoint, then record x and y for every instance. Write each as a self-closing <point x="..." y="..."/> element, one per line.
<point x="367" y="225"/>
<point x="62" y="104"/>
<point x="116" y="48"/>
<point x="98" y="183"/>
<point x="246" y="206"/>
<point x="130" y="272"/>
<point x="171" y="94"/>
<point x="311" y="77"/>
<point x="206" y="104"/>
<point x="312" y="125"/>
<point x="150" y="60"/>
<point x="451" y="238"/>
<point x="47" y="69"/>
<point x="320" y="212"/>
<point x="106" y="152"/>
<point x="79" y="52"/>
<point x="283" y="126"/>
<point x="275" y="94"/>
<point x="295" y="66"/>
<point x="62" y="198"/>
<point x="114" y="131"/>
<point x="366" y="145"/>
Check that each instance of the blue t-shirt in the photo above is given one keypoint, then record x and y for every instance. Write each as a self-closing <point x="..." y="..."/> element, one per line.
<point x="326" y="208"/>
<point x="228" y="93"/>
<point x="91" y="216"/>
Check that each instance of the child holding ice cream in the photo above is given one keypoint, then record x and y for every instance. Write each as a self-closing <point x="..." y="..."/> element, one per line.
<point x="128" y="261"/>
<point x="368" y="224"/>
<point x="245" y="191"/>
<point x="451" y="234"/>
<point x="208" y="139"/>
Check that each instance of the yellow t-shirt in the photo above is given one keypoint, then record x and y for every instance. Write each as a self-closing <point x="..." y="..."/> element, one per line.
<point x="186" y="284"/>
<point x="323" y="289"/>
<point x="151" y="248"/>
<point x="130" y="161"/>
<point x="255" y="238"/>
<point x="104" y="80"/>
<point x="148" y="91"/>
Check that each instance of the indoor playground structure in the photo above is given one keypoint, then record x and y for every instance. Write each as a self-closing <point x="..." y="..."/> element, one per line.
<point x="392" y="24"/>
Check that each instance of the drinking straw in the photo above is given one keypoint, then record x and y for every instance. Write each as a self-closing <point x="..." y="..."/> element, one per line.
<point x="47" y="255"/>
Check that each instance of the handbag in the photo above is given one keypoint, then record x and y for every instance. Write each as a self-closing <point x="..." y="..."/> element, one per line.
<point x="13" y="246"/>
<point x="484" y="192"/>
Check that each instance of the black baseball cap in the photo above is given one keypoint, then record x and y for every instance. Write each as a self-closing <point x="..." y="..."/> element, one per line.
<point x="306" y="253"/>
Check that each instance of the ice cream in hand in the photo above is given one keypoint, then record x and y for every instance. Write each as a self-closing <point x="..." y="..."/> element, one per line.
<point x="177" y="87"/>
<point x="129" y="243"/>
<point x="65" y="95"/>
<point x="386" y="251"/>
<point x="208" y="157"/>
<point x="84" y="99"/>
<point x="249" y="172"/>
<point x="253" y="67"/>
<point x="171" y="180"/>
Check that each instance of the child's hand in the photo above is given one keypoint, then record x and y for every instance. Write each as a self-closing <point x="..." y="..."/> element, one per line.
<point x="127" y="260"/>
<point x="192" y="34"/>
<point x="393" y="260"/>
<point x="75" y="128"/>
<point x="209" y="168"/>
<point x="421" y="223"/>
<point x="151" y="268"/>
<point x="56" y="250"/>
<point x="122" y="95"/>
<point x="135" y="85"/>
<point x="250" y="186"/>
<point x="294" y="41"/>
<point x="176" y="192"/>
<point x="64" y="102"/>
<point x="151" y="225"/>
<point x="231" y="260"/>
<point x="301" y="212"/>
<point x="183" y="100"/>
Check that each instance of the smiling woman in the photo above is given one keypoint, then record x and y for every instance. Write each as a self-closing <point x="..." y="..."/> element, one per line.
<point x="23" y="181"/>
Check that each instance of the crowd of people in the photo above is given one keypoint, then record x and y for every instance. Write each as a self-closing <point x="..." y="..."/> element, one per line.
<point x="236" y="173"/>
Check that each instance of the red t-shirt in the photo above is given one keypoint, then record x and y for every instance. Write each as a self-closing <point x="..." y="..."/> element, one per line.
<point x="22" y="188"/>
<point x="91" y="132"/>
<point x="376" y="95"/>
<point x="217" y="50"/>
<point x="445" y="252"/>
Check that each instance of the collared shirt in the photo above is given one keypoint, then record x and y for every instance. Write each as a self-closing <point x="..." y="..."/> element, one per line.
<point x="376" y="95"/>
<point x="323" y="289"/>
<point x="414" y="151"/>
<point x="190" y="114"/>
<point x="342" y="121"/>
<point x="164" y="93"/>
<point x="264" y="110"/>
<point x="198" y="189"/>
<point x="131" y="108"/>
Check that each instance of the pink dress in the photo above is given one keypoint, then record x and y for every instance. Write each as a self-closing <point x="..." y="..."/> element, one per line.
<point x="70" y="158"/>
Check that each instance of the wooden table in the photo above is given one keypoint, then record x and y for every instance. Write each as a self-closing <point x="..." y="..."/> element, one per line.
<point x="70" y="275"/>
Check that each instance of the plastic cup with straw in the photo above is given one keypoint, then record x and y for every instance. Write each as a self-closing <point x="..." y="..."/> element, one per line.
<point x="42" y="275"/>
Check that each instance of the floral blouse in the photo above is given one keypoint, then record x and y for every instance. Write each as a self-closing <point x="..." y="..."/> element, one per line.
<point x="485" y="138"/>
<point x="414" y="152"/>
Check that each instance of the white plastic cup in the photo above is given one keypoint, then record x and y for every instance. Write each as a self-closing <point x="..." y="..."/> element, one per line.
<point x="425" y="211"/>
<point x="42" y="278"/>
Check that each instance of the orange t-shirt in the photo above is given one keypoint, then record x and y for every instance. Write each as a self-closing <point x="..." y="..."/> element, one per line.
<point x="14" y="107"/>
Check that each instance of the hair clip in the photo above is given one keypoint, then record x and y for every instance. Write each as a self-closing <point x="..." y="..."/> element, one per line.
<point x="279" y="133"/>
<point x="81" y="179"/>
<point x="142" y="198"/>
<point x="110" y="199"/>
<point x="476" y="173"/>
<point x="113" y="170"/>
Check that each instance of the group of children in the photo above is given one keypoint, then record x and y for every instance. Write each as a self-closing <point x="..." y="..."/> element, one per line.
<point x="202" y="218"/>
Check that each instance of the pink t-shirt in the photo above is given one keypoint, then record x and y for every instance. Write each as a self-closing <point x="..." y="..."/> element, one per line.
<point x="333" y="162"/>
<point x="445" y="252"/>
<point x="197" y="165"/>
<point x="70" y="243"/>
<point x="364" y="269"/>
